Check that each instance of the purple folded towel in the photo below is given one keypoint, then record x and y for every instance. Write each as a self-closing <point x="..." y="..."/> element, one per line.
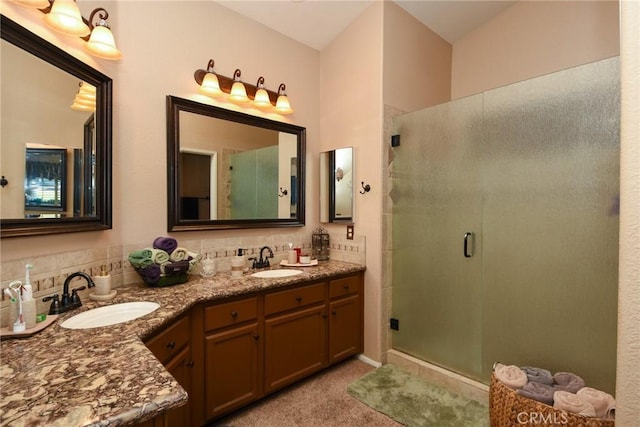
<point x="566" y="381"/>
<point x="538" y="391"/>
<point x="150" y="274"/>
<point x="167" y="244"/>
<point x="538" y="375"/>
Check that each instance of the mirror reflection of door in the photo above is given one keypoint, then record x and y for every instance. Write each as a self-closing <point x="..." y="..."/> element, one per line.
<point x="198" y="184"/>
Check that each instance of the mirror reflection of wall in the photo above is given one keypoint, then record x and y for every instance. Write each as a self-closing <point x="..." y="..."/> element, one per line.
<point x="47" y="101"/>
<point x="336" y="185"/>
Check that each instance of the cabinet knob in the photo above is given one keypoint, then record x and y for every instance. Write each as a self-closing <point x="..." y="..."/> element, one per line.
<point x="299" y="298"/>
<point x="324" y="316"/>
<point x="189" y="364"/>
<point x="256" y="337"/>
<point x="333" y="312"/>
<point x="345" y="287"/>
<point x="234" y="314"/>
<point x="171" y="345"/>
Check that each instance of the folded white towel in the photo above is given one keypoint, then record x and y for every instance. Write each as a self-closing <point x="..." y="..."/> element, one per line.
<point x="510" y="375"/>
<point x="602" y="402"/>
<point x="571" y="402"/>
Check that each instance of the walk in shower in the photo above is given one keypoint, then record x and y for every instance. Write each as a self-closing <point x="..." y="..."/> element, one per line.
<point x="505" y="227"/>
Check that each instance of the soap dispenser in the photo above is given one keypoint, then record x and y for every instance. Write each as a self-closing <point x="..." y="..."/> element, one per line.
<point x="237" y="264"/>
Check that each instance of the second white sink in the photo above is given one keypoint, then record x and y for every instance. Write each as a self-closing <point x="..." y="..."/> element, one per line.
<point x="110" y="315"/>
<point x="272" y="274"/>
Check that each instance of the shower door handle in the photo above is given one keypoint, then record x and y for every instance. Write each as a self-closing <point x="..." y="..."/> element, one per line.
<point x="468" y="244"/>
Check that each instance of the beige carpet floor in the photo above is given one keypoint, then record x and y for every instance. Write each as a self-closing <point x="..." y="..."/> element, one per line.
<point x="319" y="401"/>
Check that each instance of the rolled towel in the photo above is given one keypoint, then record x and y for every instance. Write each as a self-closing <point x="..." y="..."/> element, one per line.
<point x="179" y="254"/>
<point x="139" y="259"/>
<point x="150" y="274"/>
<point x="158" y="256"/>
<point x="538" y="375"/>
<point x="538" y="392"/>
<point x="571" y="402"/>
<point x="601" y="401"/>
<point x="175" y="267"/>
<point x="194" y="256"/>
<point x="167" y="244"/>
<point x="510" y="375"/>
<point x="566" y="381"/>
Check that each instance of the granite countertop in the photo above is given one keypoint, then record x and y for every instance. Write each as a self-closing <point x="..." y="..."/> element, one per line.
<point x="106" y="376"/>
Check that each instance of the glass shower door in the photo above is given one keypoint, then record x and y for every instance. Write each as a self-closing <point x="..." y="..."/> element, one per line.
<point x="437" y="199"/>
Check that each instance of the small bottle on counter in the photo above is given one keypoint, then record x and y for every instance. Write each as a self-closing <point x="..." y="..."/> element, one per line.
<point x="237" y="264"/>
<point x="102" y="282"/>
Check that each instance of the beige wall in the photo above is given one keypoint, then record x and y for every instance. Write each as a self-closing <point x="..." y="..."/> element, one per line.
<point x="351" y="115"/>
<point x="532" y="38"/>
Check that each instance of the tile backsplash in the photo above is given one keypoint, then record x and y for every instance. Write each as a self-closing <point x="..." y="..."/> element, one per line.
<point x="50" y="271"/>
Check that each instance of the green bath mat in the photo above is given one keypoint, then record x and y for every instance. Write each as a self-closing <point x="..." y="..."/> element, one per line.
<point x="412" y="401"/>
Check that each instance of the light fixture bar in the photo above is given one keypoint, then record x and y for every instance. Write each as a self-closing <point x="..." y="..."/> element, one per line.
<point x="227" y="82"/>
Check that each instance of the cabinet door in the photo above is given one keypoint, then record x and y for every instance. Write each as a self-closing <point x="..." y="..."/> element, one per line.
<point x="231" y="369"/>
<point x="344" y="328"/>
<point x="295" y="346"/>
<point x="180" y="368"/>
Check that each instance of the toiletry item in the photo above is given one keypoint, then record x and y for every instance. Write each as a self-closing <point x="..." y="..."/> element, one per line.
<point x="102" y="282"/>
<point x="18" y="324"/>
<point x="305" y="259"/>
<point x="237" y="264"/>
<point x="27" y="289"/>
<point x="292" y="255"/>
<point x="29" y="313"/>
<point x="207" y="267"/>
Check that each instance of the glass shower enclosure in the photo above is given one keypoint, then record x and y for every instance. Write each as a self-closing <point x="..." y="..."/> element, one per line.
<point x="505" y="227"/>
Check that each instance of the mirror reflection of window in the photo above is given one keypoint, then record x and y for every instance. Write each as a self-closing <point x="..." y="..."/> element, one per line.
<point x="344" y="184"/>
<point x="45" y="179"/>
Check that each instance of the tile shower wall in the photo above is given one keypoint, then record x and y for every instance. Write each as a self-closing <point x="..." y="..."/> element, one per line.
<point x="49" y="272"/>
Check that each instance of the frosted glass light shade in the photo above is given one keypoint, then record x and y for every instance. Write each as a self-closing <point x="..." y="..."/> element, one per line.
<point x="283" y="106"/>
<point x="261" y="100"/>
<point x="210" y="85"/>
<point x="102" y="44"/>
<point x="65" y="18"/>
<point x="238" y="93"/>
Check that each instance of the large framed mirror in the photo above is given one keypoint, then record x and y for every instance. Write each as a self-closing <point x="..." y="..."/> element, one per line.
<point x="56" y="159"/>
<point x="228" y="169"/>
<point x="336" y="185"/>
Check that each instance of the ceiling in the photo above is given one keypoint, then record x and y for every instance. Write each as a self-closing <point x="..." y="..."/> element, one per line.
<point x="316" y="23"/>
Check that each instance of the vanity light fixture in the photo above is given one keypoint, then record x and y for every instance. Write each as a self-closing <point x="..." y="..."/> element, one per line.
<point x="64" y="17"/>
<point x="282" y="105"/>
<point x="261" y="100"/>
<point x="216" y="85"/>
<point x="210" y="85"/>
<point x="85" y="99"/>
<point x="238" y="91"/>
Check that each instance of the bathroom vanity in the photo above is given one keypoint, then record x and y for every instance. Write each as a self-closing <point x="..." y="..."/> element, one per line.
<point x="219" y="344"/>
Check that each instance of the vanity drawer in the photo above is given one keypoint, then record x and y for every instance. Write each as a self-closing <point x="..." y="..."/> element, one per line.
<point x="170" y="341"/>
<point x="344" y="286"/>
<point x="230" y="313"/>
<point x="294" y="298"/>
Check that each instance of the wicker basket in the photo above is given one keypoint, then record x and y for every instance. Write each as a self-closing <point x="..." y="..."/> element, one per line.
<point x="509" y="409"/>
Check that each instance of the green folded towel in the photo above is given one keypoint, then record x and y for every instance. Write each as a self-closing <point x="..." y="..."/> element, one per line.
<point x="158" y="256"/>
<point x="140" y="259"/>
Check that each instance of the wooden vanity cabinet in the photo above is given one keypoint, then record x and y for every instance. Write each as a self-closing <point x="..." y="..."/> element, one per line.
<point x="233" y="355"/>
<point x="172" y="348"/>
<point x="346" y="325"/>
<point x="295" y="334"/>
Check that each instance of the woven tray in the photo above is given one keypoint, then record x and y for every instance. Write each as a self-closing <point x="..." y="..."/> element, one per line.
<point x="509" y="409"/>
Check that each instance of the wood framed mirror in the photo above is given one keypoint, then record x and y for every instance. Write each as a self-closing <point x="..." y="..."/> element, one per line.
<point x="39" y="83"/>
<point x="229" y="170"/>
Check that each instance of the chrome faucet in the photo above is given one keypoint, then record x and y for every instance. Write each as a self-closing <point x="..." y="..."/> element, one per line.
<point x="263" y="261"/>
<point x="68" y="302"/>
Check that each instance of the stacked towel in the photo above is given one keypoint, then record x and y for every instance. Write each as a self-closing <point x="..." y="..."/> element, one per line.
<point x="603" y="403"/>
<point x="538" y="391"/>
<point x="158" y="255"/>
<point x="179" y="254"/>
<point x="167" y="244"/>
<point x="571" y="402"/>
<point x="150" y="274"/>
<point x="538" y="375"/>
<point x="140" y="259"/>
<point x="566" y="381"/>
<point x="510" y="375"/>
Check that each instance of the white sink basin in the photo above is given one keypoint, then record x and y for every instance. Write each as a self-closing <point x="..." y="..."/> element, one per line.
<point x="109" y="315"/>
<point x="272" y="274"/>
